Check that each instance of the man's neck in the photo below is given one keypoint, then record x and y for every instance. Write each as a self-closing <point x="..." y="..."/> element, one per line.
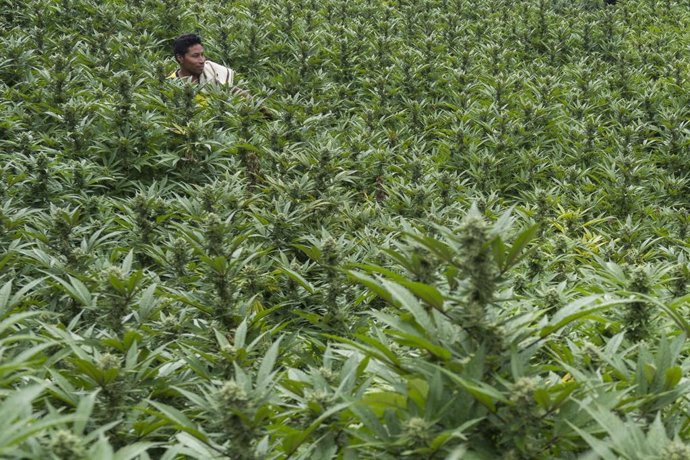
<point x="181" y="73"/>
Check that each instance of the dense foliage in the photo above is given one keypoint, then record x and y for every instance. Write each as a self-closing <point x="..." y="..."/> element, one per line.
<point x="464" y="234"/>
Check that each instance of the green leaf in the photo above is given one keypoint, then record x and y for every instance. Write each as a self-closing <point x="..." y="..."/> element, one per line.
<point x="600" y="447"/>
<point x="377" y="402"/>
<point x="672" y="377"/>
<point x="17" y="297"/>
<point x="649" y="370"/>
<point x="485" y="394"/>
<point x="457" y="453"/>
<point x="147" y="302"/>
<point x="133" y="450"/>
<point x="241" y="334"/>
<point x="578" y="309"/>
<point x="297" y="278"/>
<point x="518" y="246"/>
<point x="439" y="248"/>
<point x="199" y="449"/>
<point x="402" y="297"/>
<point x="670" y="310"/>
<point x="375" y="348"/>
<point x="541" y="396"/>
<point x="101" y="450"/>
<point x="313" y="252"/>
<point x="369" y="419"/>
<point x="25" y="429"/>
<point x="15" y="402"/>
<point x="16" y="319"/>
<point x="178" y="419"/>
<point x="191" y="300"/>
<point x="132" y="356"/>
<point x="76" y="289"/>
<point x="5" y="293"/>
<point x="84" y="410"/>
<point x="14" y="429"/>
<point x="196" y="398"/>
<point x="426" y="292"/>
<point x="372" y="284"/>
<point x="499" y="252"/>
<point x="292" y="443"/>
<point x="247" y="147"/>
<point x="422" y="343"/>
<point x="263" y="377"/>
<point x="127" y="262"/>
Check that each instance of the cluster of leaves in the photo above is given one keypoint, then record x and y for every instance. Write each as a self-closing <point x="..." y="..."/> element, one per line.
<point x="464" y="234"/>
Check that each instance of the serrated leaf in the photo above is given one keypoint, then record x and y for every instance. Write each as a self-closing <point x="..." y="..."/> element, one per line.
<point x="241" y="334"/>
<point x="297" y="278"/>
<point x="578" y="309"/>
<point x="374" y="348"/>
<point x="263" y="377"/>
<point x="402" y="297"/>
<point x="369" y="418"/>
<point x="127" y="262"/>
<point x="75" y="289"/>
<point x="178" y="419"/>
<point x="16" y="298"/>
<point x="541" y="396"/>
<point x="5" y="293"/>
<point x="672" y="377"/>
<point x="426" y="292"/>
<point x="518" y="246"/>
<point x="133" y="450"/>
<point x="371" y="283"/>
<point x="485" y="394"/>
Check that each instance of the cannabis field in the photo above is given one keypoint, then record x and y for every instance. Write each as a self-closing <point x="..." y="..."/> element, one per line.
<point x="463" y="235"/>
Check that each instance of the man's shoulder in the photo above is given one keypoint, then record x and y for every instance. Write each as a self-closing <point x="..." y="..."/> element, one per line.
<point x="216" y="66"/>
<point x="218" y="73"/>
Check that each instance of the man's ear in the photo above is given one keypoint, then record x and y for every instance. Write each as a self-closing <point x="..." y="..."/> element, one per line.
<point x="178" y="58"/>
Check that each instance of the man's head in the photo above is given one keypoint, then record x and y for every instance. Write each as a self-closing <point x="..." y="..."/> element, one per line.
<point x="189" y="53"/>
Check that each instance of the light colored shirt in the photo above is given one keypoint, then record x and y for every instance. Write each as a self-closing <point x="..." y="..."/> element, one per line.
<point x="213" y="73"/>
<point x="217" y="73"/>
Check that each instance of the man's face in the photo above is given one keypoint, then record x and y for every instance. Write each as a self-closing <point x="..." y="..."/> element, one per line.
<point x="193" y="60"/>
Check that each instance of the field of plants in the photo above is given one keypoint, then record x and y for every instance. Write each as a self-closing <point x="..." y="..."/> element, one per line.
<point x="464" y="235"/>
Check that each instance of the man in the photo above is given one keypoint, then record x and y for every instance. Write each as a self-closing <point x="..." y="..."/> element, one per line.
<point x="189" y="54"/>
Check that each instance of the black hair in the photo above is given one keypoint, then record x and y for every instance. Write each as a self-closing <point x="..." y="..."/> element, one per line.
<point x="182" y="43"/>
